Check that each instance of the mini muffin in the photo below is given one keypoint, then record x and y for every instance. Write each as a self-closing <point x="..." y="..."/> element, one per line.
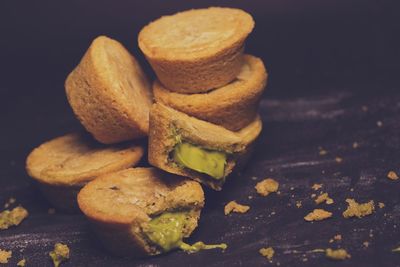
<point x="142" y="211"/>
<point x="63" y="165"/>
<point x="109" y="93"/>
<point x="197" y="50"/>
<point x="200" y="150"/>
<point x="232" y="106"/>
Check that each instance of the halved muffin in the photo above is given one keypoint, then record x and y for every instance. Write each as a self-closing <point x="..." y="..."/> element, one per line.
<point x="142" y="211"/>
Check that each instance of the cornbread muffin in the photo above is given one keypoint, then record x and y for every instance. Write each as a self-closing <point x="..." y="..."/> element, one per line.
<point x="63" y="165"/>
<point x="109" y="93"/>
<point x="143" y="211"/>
<point x="205" y="152"/>
<point x="197" y="50"/>
<point x="232" y="106"/>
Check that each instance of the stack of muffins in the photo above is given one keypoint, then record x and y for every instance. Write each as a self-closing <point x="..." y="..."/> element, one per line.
<point x="198" y="58"/>
<point x="202" y="126"/>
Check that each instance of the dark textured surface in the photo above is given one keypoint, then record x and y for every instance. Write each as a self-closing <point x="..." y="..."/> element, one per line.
<point x="326" y="62"/>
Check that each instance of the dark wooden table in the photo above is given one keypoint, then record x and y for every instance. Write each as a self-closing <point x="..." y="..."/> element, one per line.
<point x="333" y="75"/>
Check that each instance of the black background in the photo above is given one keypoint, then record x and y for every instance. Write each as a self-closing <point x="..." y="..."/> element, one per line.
<point x="326" y="59"/>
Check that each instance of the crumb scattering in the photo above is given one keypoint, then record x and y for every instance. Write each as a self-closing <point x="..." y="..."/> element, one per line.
<point x="21" y="263"/>
<point x="267" y="252"/>
<point x="12" y="217"/>
<point x="355" y="209"/>
<point x="267" y="186"/>
<point x="318" y="215"/>
<point x="5" y="256"/>
<point x="392" y="175"/>
<point x="366" y="244"/>
<point x="313" y="195"/>
<point x="233" y="206"/>
<point x="59" y="254"/>
<point x="298" y="204"/>
<point x="337" y="254"/>
<point x="381" y="205"/>
<point x="316" y="186"/>
<point x="324" y="197"/>
<point x="338" y="159"/>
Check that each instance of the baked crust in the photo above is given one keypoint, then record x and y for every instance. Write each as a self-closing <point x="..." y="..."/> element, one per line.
<point x="109" y="93"/>
<point x="232" y="106"/>
<point x="197" y="50"/>
<point x="129" y="198"/>
<point x="63" y="165"/>
<point x="166" y="123"/>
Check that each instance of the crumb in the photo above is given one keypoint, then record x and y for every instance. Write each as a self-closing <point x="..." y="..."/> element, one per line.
<point x="337" y="237"/>
<point x="366" y="244"/>
<point x="253" y="178"/>
<point x="338" y="159"/>
<point x="5" y="256"/>
<point x="355" y="145"/>
<point x="59" y="254"/>
<point x="318" y="215"/>
<point x="351" y="189"/>
<point x="392" y="175"/>
<point x="267" y="252"/>
<point x="267" y="186"/>
<point x="278" y="193"/>
<point x="250" y="197"/>
<point x="233" y="206"/>
<point x="379" y="123"/>
<point x="291" y="188"/>
<point x="337" y="254"/>
<point x="355" y="209"/>
<point x="51" y="211"/>
<point x="21" y="263"/>
<point x="364" y="108"/>
<point x="396" y="249"/>
<point x="323" y="152"/>
<point x="316" y="186"/>
<point x="304" y="259"/>
<point x="298" y="204"/>
<point x="381" y="205"/>
<point x="313" y="195"/>
<point x="324" y="198"/>
<point x="12" y="218"/>
<point x="273" y="213"/>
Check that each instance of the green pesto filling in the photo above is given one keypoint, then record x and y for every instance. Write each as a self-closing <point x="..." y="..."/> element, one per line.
<point x="166" y="231"/>
<point x="200" y="159"/>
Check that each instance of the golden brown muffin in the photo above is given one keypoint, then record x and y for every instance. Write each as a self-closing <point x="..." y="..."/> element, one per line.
<point x="109" y="93"/>
<point x="123" y="204"/>
<point x="197" y="149"/>
<point x="197" y="50"/>
<point x="232" y="106"/>
<point x="63" y="165"/>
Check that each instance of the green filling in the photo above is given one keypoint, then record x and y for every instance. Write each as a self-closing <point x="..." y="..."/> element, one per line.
<point x="201" y="160"/>
<point x="166" y="231"/>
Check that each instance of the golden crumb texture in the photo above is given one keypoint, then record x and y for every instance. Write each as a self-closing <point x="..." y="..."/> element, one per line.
<point x="233" y="206"/>
<point x="267" y="186"/>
